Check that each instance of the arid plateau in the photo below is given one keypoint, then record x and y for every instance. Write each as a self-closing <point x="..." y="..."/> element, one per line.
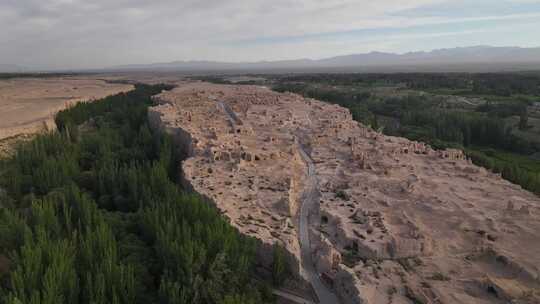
<point x="366" y="218"/>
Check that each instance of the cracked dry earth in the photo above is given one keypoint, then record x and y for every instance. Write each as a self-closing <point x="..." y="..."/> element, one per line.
<point x="394" y="221"/>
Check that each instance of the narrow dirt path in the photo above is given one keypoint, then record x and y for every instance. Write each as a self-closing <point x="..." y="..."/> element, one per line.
<point x="309" y="197"/>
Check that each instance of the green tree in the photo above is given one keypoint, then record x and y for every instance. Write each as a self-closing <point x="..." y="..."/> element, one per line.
<point x="280" y="267"/>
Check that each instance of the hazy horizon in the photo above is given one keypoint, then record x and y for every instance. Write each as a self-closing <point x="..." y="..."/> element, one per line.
<point x="73" y="34"/>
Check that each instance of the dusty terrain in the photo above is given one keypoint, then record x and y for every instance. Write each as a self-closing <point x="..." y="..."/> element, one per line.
<point x="371" y="218"/>
<point x="28" y="105"/>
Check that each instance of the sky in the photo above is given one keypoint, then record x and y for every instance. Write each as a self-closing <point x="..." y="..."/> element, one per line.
<point x="74" y="34"/>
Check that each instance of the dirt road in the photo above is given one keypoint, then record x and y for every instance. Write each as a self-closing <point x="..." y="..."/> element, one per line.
<point x="310" y="197"/>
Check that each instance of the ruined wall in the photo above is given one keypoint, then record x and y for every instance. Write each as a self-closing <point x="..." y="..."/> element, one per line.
<point x="346" y="284"/>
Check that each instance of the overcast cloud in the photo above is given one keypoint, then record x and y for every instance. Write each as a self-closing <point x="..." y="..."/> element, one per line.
<point x="99" y="33"/>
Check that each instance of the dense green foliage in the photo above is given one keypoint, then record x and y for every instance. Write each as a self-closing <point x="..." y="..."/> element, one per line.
<point x="518" y="169"/>
<point x="91" y="214"/>
<point x="460" y="127"/>
<point x="482" y="131"/>
<point x="280" y="267"/>
<point x="498" y="84"/>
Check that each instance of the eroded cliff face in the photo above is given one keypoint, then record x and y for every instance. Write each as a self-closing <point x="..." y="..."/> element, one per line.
<point x="260" y="204"/>
<point x="394" y="221"/>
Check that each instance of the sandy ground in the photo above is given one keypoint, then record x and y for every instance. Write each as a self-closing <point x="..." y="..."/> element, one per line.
<point x="390" y="220"/>
<point x="28" y="105"/>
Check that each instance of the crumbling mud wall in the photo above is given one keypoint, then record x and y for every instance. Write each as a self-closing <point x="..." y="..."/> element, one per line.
<point x="181" y="138"/>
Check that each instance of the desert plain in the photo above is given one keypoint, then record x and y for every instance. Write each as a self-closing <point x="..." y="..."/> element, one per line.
<point x="28" y="105"/>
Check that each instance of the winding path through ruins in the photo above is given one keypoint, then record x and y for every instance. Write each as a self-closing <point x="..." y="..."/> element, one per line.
<point x="309" y="197"/>
<point x="233" y="119"/>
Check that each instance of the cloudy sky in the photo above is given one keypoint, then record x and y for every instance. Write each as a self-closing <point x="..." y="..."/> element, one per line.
<point x="99" y="33"/>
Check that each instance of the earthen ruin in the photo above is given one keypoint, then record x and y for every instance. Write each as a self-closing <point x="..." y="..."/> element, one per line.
<point x="392" y="220"/>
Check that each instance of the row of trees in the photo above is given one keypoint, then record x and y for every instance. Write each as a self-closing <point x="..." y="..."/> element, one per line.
<point x="526" y="177"/>
<point x="92" y="214"/>
<point x="464" y="129"/>
<point x="499" y="84"/>
<point x="34" y="75"/>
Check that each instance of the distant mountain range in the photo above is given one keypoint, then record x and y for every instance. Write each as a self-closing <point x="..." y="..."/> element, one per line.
<point x="10" y="68"/>
<point x="463" y="58"/>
